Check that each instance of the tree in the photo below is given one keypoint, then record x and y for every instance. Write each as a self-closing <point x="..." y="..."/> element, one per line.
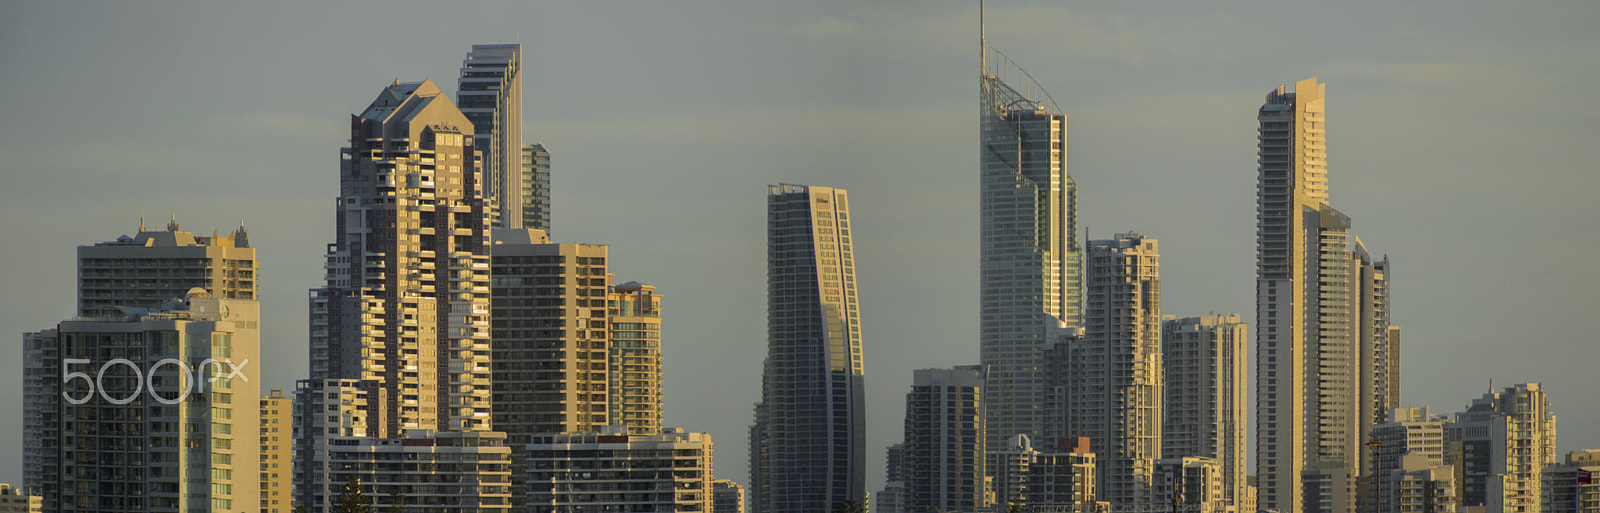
<point x="849" y="506"/>
<point x="351" y="499"/>
<point x="396" y="502"/>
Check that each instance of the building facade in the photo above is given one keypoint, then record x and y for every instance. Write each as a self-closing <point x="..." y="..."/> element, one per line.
<point x="1107" y="383"/>
<point x="1573" y="487"/>
<point x="1410" y="435"/>
<point x="277" y="452"/>
<point x="726" y="496"/>
<point x="1317" y="351"/>
<point x="154" y="266"/>
<point x="489" y="94"/>
<point x="1499" y="447"/>
<point x="157" y="411"/>
<point x="810" y="440"/>
<point x="1191" y="484"/>
<point x="13" y="500"/>
<point x="944" y="441"/>
<point x="1204" y="394"/>
<point x="635" y="353"/>
<point x="421" y="471"/>
<point x="406" y="303"/>
<point x="611" y="470"/>
<point x="535" y="183"/>
<point x="1029" y="257"/>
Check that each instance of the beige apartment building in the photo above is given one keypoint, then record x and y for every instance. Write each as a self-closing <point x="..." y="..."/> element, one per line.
<point x="153" y="266"/>
<point x="1499" y="448"/>
<point x="1204" y="395"/>
<point x="157" y="411"/>
<point x="635" y="365"/>
<point x="611" y="470"/>
<point x="13" y="500"/>
<point x="277" y="452"/>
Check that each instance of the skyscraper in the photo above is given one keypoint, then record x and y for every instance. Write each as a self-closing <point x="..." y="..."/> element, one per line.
<point x="1377" y="344"/>
<point x="1029" y="268"/>
<point x="489" y="93"/>
<point x="1204" y="405"/>
<point x="406" y="305"/>
<point x="404" y="314"/>
<point x="1114" y="381"/>
<point x="809" y="433"/>
<point x="944" y="451"/>
<point x="1307" y="333"/>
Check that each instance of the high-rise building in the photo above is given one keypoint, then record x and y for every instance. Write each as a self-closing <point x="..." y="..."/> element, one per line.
<point x="406" y="304"/>
<point x="146" y="269"/>
<point x="421" y="471"/>
<point x="610" y="470"/>
<point x="277" y="452"/>
<point x="535" y="187"/>
<point x="1573" y="487"/>
<point x="1418" y="485"/>
<point x="550" y="335"/>
<point x="551" y="344"/>
<point x="809" y="433"/>
<point x="1499" y="447"/>
<point x="635" y="362"/>
<point x="1377" y="349"/>
<point x="1029" y="258"/>
<point x="1408" y="433"/>
<point x="489" y="94"/>
<point x="1191" y="483"/>
<point x="133" y="427"/>
<point x="1204" y="403"/>
<point x="1107" y="383"/>
<point x="944" y="440"/>
<point x="1324" y="369"/>
<point x="726" y="497"/>
<point x="404" y="313"/>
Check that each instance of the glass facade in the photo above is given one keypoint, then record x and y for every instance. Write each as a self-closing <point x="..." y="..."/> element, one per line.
<point x="1030" y="268"/>
<point x="812" y="441"/>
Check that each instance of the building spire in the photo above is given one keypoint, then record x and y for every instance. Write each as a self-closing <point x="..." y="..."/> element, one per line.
<point x="983" y="46"/>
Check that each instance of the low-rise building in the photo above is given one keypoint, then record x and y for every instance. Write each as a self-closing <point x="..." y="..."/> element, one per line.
<point x="610" y="470"/>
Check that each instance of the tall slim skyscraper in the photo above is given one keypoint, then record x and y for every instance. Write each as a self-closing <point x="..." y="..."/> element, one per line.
<point x="809" y="433"/>
<point x="1029" y="258"/>
<point x="944" y="451"/>
<point x="489" y="93"/>
<point x="406" y="305"/>
<point x="1204" y="405"/>
<point x="1114" y="383"/>
<point x="1308" y="396"/>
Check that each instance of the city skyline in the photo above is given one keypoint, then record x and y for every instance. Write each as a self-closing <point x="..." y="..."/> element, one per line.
<point x="1439" y="120"/>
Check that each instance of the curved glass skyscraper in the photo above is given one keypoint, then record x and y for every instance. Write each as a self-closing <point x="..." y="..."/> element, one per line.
<point x="1029" y="266"/>
<point x="808" y="442"/>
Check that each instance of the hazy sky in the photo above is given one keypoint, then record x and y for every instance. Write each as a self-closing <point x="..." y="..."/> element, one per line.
<point x="1457" y="135"/>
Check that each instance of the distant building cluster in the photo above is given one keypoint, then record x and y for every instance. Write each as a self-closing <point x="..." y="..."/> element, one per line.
<point x="462" y="360"/>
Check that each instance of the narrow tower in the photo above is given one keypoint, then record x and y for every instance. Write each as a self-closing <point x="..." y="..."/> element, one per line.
<point x="1029" y="258"/>
<point x="809" y="434"/>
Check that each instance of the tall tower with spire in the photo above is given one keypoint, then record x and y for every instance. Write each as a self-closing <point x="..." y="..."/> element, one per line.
<point x="1030" y="259"/>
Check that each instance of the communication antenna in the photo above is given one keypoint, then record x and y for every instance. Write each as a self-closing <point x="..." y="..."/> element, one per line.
<point x="983" y="46"/>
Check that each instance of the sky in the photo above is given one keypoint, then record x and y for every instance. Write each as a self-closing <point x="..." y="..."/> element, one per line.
<point x="1461" y="140"/>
